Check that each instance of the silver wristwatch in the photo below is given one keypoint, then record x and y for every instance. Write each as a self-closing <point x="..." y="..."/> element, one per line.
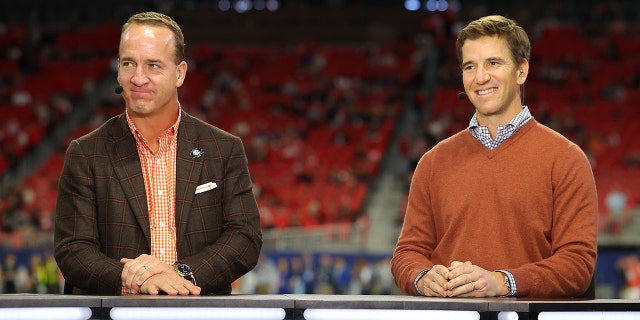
<point x="184" y="271"/>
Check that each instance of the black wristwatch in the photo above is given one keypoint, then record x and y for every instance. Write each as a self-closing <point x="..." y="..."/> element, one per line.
<point x="184" y="271"/>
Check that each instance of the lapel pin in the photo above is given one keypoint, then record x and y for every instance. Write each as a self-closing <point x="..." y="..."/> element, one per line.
<point x="196" y="153"/>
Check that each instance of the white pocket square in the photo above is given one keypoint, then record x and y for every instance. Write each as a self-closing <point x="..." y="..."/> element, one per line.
<point x="206" y="187"/>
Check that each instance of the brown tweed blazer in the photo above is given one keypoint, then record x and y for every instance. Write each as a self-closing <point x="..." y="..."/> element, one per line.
<point x="102" y="215"/>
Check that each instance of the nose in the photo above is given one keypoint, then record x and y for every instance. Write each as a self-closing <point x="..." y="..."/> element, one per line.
<point x="139" y="78"/>
<point x="482" y="75"/>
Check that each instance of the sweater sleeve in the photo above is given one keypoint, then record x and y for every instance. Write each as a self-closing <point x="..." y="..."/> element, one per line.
<point x="418" y="236"/>
<point x="569" y="269"/>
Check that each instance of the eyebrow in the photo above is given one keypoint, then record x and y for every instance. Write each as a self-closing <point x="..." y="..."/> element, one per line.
<point x="496" y="59"/>
<point x="156" y="61"/>
<point x="153" y="60"/>
<point x="466" y="63"/>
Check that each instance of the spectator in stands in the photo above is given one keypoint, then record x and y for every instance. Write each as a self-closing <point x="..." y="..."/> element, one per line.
<point x="155" y="201"/>
<point x="616" y="203"/>
<point x="9" y="271"/>
<point x="629" y="265"/>
<point x="506" y="207"/>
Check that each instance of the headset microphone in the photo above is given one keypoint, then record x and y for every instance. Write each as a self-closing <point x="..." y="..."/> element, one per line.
<point x="118" y="90"/>
<point x="462" y="95"/>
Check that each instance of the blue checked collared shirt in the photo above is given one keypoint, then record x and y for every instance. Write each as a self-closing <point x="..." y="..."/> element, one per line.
<point x="504" y="132"/>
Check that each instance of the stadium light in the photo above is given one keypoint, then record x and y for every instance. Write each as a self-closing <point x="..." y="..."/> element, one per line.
<point x="412" y="5"/>
<point x="437" y="5"/>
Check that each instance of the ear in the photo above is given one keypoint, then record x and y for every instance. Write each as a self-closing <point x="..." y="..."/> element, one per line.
<point x="181" y="73"/>
<point x="522" y="72"/>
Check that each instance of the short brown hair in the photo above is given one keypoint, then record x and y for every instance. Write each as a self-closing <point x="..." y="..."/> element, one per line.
<point x="159" y="19"/>
<point x="505" y="28"/>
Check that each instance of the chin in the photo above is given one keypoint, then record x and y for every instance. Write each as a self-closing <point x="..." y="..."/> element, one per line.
<point x="488" y="111"/>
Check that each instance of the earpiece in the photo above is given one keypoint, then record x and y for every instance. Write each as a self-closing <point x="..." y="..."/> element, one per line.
<point x="521" y="73"/>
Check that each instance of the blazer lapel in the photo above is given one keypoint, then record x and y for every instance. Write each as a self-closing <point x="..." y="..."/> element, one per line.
<point x="188" y="171"/>
<point x="126" y="163"/>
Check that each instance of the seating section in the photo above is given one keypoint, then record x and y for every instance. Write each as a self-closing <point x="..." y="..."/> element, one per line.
<point x="317" y="119"/>
<point x="44" y="78"/>
<point x="314" y="134"/>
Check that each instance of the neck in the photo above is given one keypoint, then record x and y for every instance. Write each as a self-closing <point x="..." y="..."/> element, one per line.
<point x="152" y="126"/>
<point x="492" y="122"/>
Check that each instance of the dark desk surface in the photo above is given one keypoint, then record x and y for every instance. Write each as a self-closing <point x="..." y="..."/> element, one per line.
<point x="312" y="301"/>
<point x="48" y="300"/>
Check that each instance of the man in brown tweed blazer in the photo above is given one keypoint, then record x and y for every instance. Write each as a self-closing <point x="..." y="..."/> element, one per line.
<point x="153" y="162"/>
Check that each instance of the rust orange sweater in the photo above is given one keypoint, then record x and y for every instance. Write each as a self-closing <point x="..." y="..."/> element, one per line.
<point x="529" y="206"/>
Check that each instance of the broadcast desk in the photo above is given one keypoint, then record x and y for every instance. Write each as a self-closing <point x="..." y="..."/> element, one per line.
<point x="307" y="307"/>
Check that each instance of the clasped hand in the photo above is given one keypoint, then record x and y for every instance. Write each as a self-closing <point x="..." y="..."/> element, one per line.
<point x="462" y="279"/>
<point x="146" y="274"/>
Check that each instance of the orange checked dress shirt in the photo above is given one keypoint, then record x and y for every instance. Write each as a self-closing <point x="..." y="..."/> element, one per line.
<point x="159" y="172"/>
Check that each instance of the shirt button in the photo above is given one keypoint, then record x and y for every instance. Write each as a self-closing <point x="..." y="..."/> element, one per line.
<point x="161" y="250"/>
<point x="161" y="192"/>
<point x="162" y="224"/>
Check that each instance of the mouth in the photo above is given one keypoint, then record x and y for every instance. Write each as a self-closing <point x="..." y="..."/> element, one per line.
<point x="137" y="93"/>
<point x="486" y="91"/>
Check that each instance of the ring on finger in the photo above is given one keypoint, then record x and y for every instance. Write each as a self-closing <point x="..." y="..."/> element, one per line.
<point x="473" y="286"/>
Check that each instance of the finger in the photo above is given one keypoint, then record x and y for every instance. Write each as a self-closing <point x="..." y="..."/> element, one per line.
<point x="428" y="292"/>
<point x="432" y="285"/>
<point x="129" y="284"/>
<point x="142" y="277"/>
<point x="125" y="271"/>
<point x="136" y="270"/>
<point x="193" y="289"/>
<point x="460" y="271"/>
<point x="435" y="276"/>
<point x="459" y="268"/>
<point x="157" y="284"/>
<point x="173" y="289"/>
<point x="147" y="272"/>
<point x="458" y="280"/>
<point x="465" y="290"/>
<point x="439" y="270"/>
<point x="171" y="284"/>
<point x="150" y="288"/>
<point x="432" y="289"/>
<point x="139" y="270"/>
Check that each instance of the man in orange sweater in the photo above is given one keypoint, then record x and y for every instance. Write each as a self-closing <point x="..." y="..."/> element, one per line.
<point x="506" y="207"/>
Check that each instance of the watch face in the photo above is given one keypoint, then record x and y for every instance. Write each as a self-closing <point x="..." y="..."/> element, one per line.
<point x="183" y="269"/>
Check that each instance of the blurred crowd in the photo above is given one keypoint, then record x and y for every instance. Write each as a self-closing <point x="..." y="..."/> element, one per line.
<point x="37" y="275"/>
<point x="276" y="273"/>
<point x="319" y="273"/>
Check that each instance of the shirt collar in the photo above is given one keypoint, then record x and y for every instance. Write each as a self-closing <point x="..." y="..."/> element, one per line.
<point x="518" y="121"/>
<point x="171" y="131"/>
